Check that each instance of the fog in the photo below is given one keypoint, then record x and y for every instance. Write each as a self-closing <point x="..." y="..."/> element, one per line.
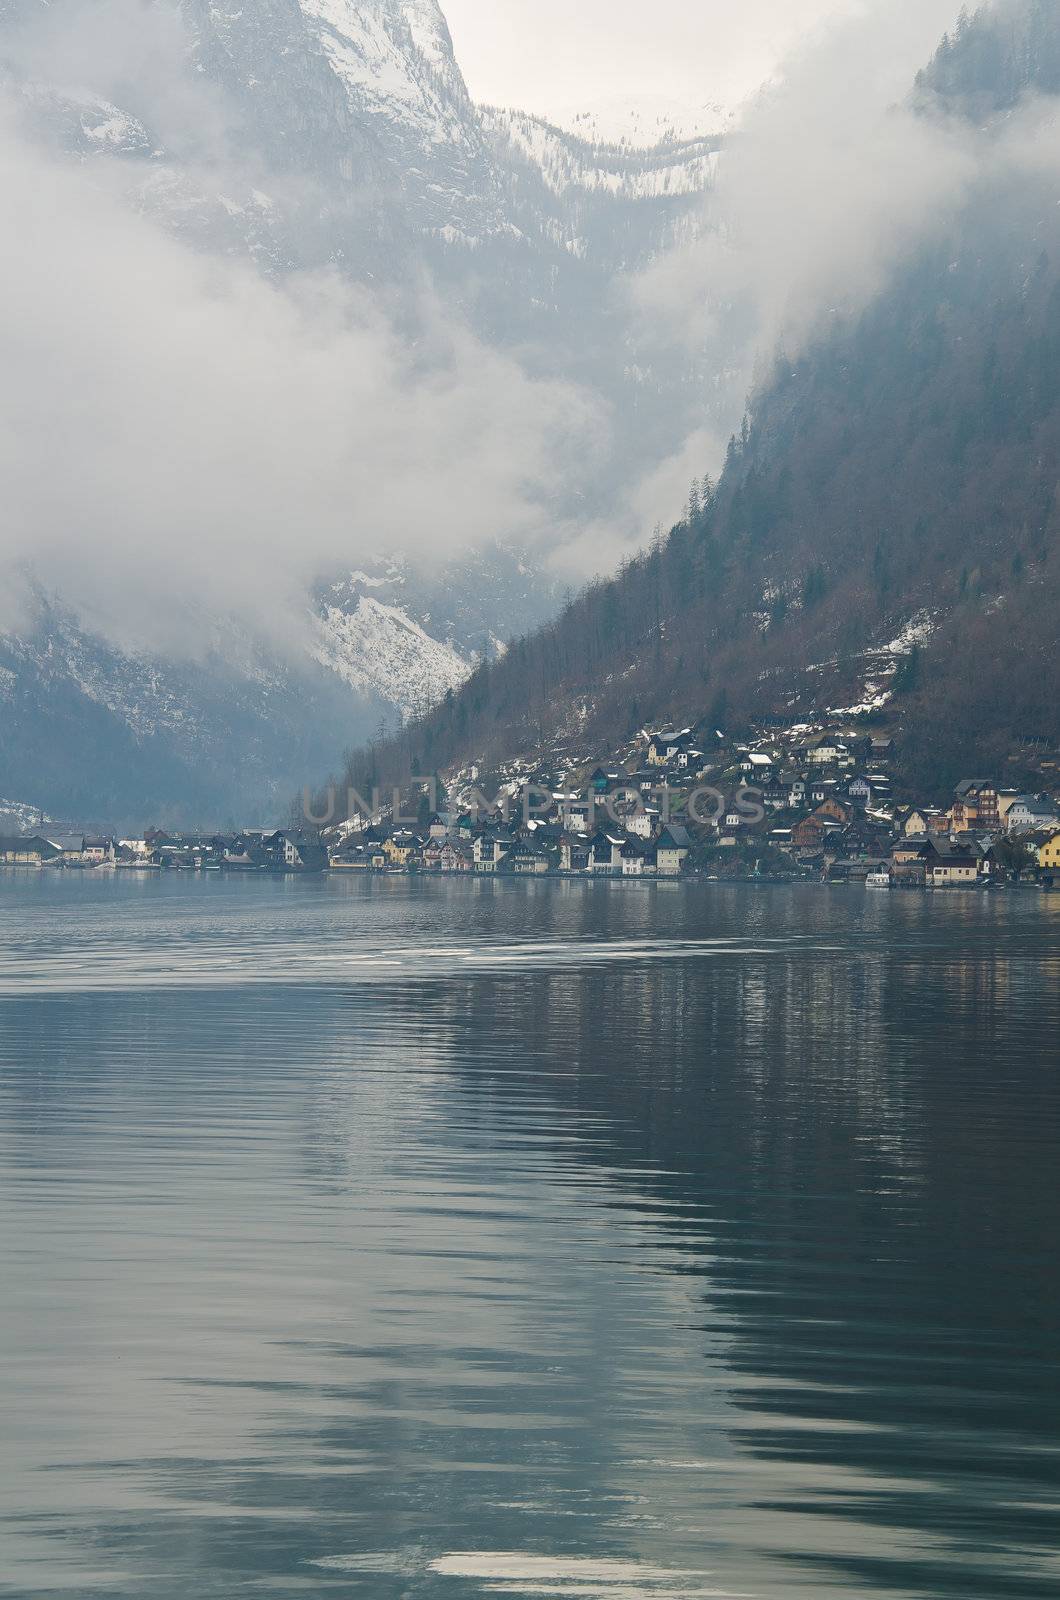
<point x="172" y="424"/>
<point x="832" y="180"/>
<point x="681" y="52"/>
<point x="177" y="428"/>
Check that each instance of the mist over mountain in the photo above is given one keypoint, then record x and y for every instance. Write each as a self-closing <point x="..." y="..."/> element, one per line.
<point x="285" y="305"/>
<point x="896" y="477"/>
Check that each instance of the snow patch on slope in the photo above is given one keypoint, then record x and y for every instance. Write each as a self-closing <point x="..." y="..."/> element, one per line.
<point x="917" y="631"/>
<point x="567" y="163"/>
<point x="876" y="691"/>
<point x="378" y="649"/>
<point x="141" y="693"/>
<point x="644" y="120"/>
<point x="21" y="814"/>
<point x="396" y="59"/>
<point x="86" y="124"/>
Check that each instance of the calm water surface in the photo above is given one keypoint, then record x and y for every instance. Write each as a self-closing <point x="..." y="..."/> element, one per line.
<point x="450" y="1240"/>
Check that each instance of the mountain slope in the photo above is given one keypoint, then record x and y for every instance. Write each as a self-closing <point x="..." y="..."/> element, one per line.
<point x="90" y="731"/>
<point x="334" y="134"/>
<point x="902" y="474"/>
<point x="995" y="59"/>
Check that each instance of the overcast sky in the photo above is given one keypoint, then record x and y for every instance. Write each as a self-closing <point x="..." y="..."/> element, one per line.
<point x="544" y="54"/>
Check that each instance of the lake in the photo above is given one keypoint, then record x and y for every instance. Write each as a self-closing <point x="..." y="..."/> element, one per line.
<point x="444" y="1239"/>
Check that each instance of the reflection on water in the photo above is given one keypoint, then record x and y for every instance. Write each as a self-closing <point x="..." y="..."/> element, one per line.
<point x="399" y="1239"/>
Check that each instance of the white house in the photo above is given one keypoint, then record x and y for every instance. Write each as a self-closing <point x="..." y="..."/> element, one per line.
<point x="1029" y="812"/>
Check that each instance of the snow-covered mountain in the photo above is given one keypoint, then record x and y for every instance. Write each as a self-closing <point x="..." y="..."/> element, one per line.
<point x="645" y="121"/>
<point x="95" y="732"/>
<point x="379" y="648"/>
<point x="340" y="134"/>
<point x="572" y="165"/>
<point x="407" y="638"/>
<point x="19" y="816"/>
<point x="123" y="737"/>
<point x="362" y="98"/>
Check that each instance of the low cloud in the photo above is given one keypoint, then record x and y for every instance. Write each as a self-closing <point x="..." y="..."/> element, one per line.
<point x="178" y="434"/>
<point x="183" y="438"/>
<point x="831" y="181"/>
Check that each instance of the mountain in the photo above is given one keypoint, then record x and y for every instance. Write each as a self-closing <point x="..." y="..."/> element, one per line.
<point x="339" y="134"/>
<point x="408" y="640"/>
<point x="364" y="104"/>
<point x="883" y="540"/>
<point x="994" y="60"/>
<point x="646" y="120"/>
<point x="90" y="730"/>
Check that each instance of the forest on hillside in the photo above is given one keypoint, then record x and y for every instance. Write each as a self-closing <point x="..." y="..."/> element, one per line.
<point x="907" y="463"/>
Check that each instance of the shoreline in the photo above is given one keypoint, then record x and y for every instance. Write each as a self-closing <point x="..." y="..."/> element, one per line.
<point x="644" y="880"/>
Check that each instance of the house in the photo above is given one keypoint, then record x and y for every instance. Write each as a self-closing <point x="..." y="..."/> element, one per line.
<point x="579" y="816"/>
<point x="812" y="831"/>
<point x="860" y="791"/>
<point x="32" y="852"/>
<point x="822" y="751"/>
<point x="354" y="856"/>
<point x="952" y="868"/>
<point x="1027" y="812"/>
<point x="758" y="766"/>
<point x="835" y="809"/>
<point x="1049" y="854"/>
<point x="526" y="859"/>
<point x="431" y="858"/>
<point x="913" y="823"/>
<point x="1006" y="799"/>
<point x="671" y="850"/>
<point x="129" y="848"/>
<point x="158" y="839"/>
<point x="862" y="840"/>
<point x="633" y="857"/>
<point x="573" y="852"/>
<point x="242" y="854"/>
<point x="398" y="849"/>
<point x="666" y="747"/>
<point x="642" y="822"/>
<point x="976" y="806"/>
<point x="457" y="855"/>
<point x="71" y="848"/>
<point x="98" y="850"/>
<point x="490" y="848"/>
<point x="294" y="852"/>
<point x="909" y="861"/>
<point x="605" y="854"/>
<point x="438" y="824"/>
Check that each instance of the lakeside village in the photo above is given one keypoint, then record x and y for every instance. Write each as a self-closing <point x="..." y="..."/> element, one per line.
<point x="807" y="804"/>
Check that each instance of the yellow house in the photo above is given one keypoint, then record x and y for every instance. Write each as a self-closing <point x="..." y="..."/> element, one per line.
<point x="16" y="852"/>
<point x="397" y="851"/>
<point x="1049" y="854"/>
<point x="1006" y="799"/>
